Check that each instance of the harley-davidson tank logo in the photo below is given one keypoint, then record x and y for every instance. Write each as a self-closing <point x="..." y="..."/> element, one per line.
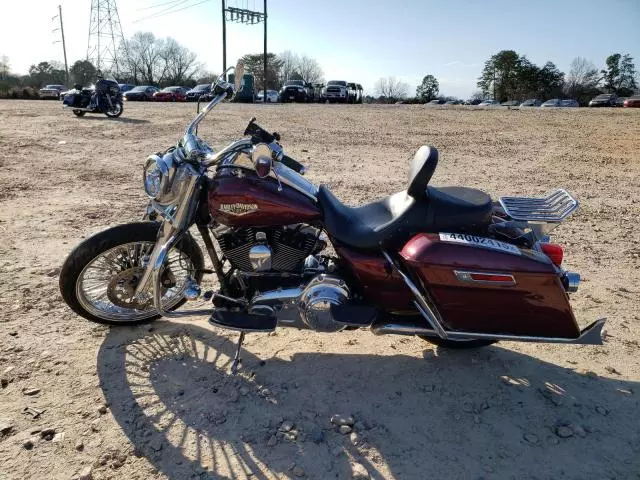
<point x="238" y="208"/>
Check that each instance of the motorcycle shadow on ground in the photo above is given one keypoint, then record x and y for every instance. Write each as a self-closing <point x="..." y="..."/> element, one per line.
<point x="133" y="121"/>
<point x="487" y="413"/>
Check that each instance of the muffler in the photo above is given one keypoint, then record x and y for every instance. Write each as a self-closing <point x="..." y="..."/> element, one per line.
<point x="591" y="335"/>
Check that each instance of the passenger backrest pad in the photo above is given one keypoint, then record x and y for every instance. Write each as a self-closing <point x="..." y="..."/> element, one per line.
<point x="423" y="165"/>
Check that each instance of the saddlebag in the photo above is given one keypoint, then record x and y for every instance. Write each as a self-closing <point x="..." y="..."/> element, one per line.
<point x="76" y="100"/>
<point x="479" y="284"/>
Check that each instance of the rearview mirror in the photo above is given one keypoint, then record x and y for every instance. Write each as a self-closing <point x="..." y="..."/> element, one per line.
<point x="262" y="156"/>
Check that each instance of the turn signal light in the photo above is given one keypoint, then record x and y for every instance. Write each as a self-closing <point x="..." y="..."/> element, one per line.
<point x="554" y="252"/>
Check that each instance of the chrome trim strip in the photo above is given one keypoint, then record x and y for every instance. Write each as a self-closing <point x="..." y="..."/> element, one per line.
<point x="591" y="335"/>
<point x="420" y="302"/>
<point x="465" y="276"/>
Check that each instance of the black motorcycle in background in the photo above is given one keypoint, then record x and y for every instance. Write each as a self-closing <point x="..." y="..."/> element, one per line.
<point x="104" y="98"/>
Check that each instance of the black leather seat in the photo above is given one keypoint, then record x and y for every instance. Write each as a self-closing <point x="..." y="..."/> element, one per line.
<point x="421" y="208"/>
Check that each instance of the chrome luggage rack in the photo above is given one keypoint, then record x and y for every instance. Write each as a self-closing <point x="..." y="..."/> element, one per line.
<point x="553" y="208"/>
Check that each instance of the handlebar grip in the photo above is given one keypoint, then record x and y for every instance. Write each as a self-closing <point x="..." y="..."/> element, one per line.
<point x="293" y="164"/>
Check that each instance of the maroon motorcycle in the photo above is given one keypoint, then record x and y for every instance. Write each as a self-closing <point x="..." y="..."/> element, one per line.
<point x="445" y="263"/>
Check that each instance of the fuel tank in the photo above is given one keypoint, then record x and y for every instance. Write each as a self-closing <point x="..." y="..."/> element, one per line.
<point x="238" y="197"/>
<point x="482" y="285"/>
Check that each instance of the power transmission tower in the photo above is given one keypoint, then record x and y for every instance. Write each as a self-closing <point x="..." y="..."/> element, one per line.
<point x="105" y="36"/>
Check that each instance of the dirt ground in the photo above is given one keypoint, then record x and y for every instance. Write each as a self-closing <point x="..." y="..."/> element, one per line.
<point x="155" y="401"/>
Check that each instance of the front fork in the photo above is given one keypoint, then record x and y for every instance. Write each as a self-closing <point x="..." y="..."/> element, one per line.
<point x="176" y="222"/>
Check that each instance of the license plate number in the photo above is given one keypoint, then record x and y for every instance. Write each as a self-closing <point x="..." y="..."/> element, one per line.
<point x="482" y="242"/>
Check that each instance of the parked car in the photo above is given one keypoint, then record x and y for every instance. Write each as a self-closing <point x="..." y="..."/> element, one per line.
<point x="359" y="93"/>
<point x="141" y="93"/>
<point x="604" y="100"/>
<point x="532" y="102"/>
<point x="353" y="92"/>
<point x="272" y="96"/>
<point x="295" y="91"/>
<point x="632" y="102"/>
<point x="620" y="101"/>
<point x="171" y="94"/>
<point x="317" y="91"/>
<point x="473" y="101"/>
<point x="196" y="92"/>
<point x="336" y="91"/>
<point x="569" y="102"/>
<point x="489" y="103"/>
<point x="511" y="103"/>
<point x="125" y="87"/>
<point x="52" y="91"/>
<point x="554" y="102"/>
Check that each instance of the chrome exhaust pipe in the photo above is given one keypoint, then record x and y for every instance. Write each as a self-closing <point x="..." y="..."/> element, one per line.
<point x="591" y="335"/>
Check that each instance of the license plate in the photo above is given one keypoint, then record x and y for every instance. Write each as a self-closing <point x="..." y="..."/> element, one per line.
<point x="482" y="242"/>
<point x="291" y="97"/>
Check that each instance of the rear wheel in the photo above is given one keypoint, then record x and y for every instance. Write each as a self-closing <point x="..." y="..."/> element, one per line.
<point x="99" y="277"/>
<point x="458" y="344"/>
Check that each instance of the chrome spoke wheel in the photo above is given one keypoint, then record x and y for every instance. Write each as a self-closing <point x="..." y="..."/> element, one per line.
<point x="106" y="285"/>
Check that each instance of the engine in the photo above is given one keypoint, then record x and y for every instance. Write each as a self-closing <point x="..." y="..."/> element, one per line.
<point x="308" y="306"/>
<point x="282" y="249"/>
<point x="309" y="288"/>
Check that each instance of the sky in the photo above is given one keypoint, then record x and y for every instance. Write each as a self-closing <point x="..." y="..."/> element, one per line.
<point x="353" y="40"/>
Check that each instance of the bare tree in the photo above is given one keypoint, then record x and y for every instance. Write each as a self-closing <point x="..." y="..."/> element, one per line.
<point x="391" y="89"/>
<point x="300" y="67"/>
<point x="158" y="61"/>
<point x="582" y="81"/>
<point x="310" y="70"/>
<point x="290" y="62"/>
<point x="582" y="72"/>
<point x="4" y="67"/>
<point x="180" y="63"/>
<point x="144" y="57"/>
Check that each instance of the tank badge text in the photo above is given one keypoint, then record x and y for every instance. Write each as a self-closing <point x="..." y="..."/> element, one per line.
<point x="238" y="208"/>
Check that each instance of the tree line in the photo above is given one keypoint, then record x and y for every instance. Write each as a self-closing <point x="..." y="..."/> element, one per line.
<point x="510" y="76"/>
<point x="145" y="59"/>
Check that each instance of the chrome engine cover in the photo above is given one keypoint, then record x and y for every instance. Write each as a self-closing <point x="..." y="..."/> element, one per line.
<point x="307" y="306"/>
<point x="316" y="300"/>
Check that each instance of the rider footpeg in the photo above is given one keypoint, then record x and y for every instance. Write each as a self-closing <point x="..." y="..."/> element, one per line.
<point x="354" y="315"/>
<point x="243" y="322"/>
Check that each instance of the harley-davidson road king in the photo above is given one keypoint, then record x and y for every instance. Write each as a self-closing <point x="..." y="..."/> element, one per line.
<point x="444" y="263"/>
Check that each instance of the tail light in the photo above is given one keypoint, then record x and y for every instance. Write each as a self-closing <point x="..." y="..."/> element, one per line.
<point x="554" y="252"/>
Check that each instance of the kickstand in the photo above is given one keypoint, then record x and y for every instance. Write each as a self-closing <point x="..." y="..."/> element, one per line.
<point x="236" y="359"/>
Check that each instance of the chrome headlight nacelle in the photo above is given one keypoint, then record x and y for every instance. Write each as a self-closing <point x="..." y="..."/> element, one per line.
<point x="158" y="176"/>
<point x="165" y="178"/>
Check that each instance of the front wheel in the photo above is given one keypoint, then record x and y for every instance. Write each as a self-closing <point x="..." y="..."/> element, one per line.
<point x="79" y="113"/>
<point x="99" y="277"/>
<point x="116" y="110"/>
<point x="458" y="344"/>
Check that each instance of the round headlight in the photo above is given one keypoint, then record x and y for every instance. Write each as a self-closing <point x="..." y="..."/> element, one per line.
<point x="152" y="177"/>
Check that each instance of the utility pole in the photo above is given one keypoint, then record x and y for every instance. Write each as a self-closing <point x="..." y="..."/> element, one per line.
<point x="64" y="45"/>
<point x="264" y="97"/>
<point x="224" y="38"/>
